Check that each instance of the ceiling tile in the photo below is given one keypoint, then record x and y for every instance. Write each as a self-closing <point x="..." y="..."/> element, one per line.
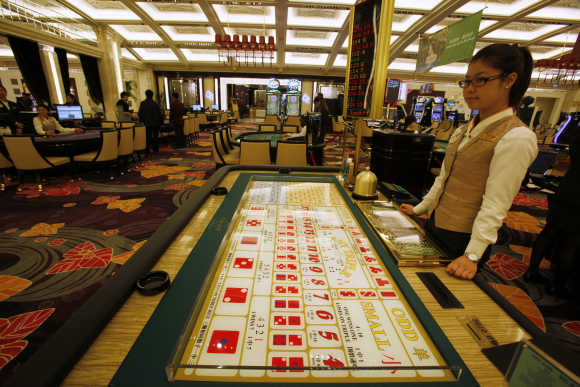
<point x="340" y="61"/>
<point x="190" y="33"/>
<point x="561" y="10"/>
<point x="316" y="17"/>
<point x="136" y="32"/>
<point x="174" y="12"/>
<point x="156" y="54"/>
<point x="104" y="9"/>
<point x="310" y="38"/>
<point x="245" y="14"/>
<point x="306" y="59"/>
<point x="522" y="31"/>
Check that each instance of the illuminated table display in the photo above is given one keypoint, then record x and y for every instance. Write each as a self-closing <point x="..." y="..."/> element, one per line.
<point x="406" y="241"/>
<point x="300" y="291"/>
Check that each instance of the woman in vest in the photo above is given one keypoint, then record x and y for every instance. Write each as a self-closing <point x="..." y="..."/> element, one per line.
<point x="485" y="162"/>
<point x="45" y="125"/>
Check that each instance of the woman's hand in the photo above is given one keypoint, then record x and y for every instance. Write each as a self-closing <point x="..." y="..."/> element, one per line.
<point x="78" y="130"/>
<point x="407" y="209"/>
<point x="462" y="267"/>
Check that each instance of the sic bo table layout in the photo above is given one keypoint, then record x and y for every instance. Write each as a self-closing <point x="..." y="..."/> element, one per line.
<point x="288" y="284"/>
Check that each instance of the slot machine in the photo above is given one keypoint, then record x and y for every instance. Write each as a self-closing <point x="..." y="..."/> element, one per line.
<point x="419" y="108"/>
<point x="273" y="98"/>
<point x="293" y="98"/>
<point x="438" y="110"/>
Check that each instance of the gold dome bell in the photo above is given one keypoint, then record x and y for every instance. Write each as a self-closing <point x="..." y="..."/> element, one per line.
<point x="365" y="186"/>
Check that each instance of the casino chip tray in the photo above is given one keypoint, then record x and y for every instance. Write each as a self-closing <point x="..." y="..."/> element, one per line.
<point x="402" y="236"/>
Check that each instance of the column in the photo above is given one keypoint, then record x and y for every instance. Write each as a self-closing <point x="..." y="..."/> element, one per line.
<point x="209" y="84"/>
<point x="110" y="71"/>
<point x="307" y="89"/>
<point x="51" y="70"/>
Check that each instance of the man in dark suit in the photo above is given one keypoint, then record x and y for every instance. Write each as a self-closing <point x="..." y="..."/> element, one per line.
<point x="151" y="115"/>
<point x="8" y="111"/>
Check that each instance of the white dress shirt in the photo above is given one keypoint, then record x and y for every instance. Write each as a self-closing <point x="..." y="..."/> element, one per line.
<point x="42" y="125"/>
<point x="512" y="156"/>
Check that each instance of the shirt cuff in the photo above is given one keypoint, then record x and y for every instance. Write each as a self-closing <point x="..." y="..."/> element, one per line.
<point x="476" y="247"/>
<point x="421" y="208"/>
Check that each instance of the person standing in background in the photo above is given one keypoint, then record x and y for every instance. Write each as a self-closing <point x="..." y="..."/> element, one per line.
<point x="177" y="110"/>
<point x="151" y="115"/>
<point x="123" y="112"/>
<point x="71" y="100"/>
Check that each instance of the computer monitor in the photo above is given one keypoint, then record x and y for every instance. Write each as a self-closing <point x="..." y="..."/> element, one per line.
<point x="69" y="112"/>
<point x="196" y="108"/>
<point x="214" y="107"/>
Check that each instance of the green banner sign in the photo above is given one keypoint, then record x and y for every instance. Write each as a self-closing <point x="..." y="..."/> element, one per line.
<point x="451" y="44"/>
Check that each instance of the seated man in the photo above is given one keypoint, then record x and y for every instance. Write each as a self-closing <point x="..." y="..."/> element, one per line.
<point x="44" y="125"/>
<point x="8" y="123"/>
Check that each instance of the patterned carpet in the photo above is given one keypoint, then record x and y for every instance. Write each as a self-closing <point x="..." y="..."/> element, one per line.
<point x="59" y="246"/>
<point x="556" y="317"/>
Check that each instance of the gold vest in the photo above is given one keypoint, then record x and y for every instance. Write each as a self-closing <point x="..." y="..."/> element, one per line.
<point x="467" y="171"/>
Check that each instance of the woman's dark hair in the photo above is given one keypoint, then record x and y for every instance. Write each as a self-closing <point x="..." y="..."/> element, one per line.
<point x="42" y="105"/>
<point x="509" y="59"/>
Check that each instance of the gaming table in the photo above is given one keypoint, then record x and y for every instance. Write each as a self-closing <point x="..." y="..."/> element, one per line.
<point x="205" y="253"/>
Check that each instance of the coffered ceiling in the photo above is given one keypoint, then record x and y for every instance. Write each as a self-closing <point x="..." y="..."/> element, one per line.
<point x="309" y="35"/>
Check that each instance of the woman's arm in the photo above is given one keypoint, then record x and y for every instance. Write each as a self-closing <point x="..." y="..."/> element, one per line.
<point x="38" y="128"/>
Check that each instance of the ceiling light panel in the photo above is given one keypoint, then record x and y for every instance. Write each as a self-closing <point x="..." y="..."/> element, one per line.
<point x="156" y="54"/>
<point x="127" y="54"/>
<point x="402" y="22"/>
<point x="496" y="8"/>
<point x="245" y="14"/>
<point x="50" y="9"/>
<point x="305" y="58"/>
<point x="562" y="10"/>
<point x="174" y="12"/>
<point x="522" y="31"/>
<point x="550" y="53"/>
<point x="569" y="38"/>
<point x="448" y="21"/>
<point x="316" y="17"/>
<point x="452" y="68"/>
<point x="403" y="64"/>
<point x="310" y="38"/>
<point x="340" y="61"/>
<point x="136" y="32"/>
<point x="200" y="55"/>
<point x="190" y="33"/>
<point x="345" y="44"/>
<point x="6" y="51"/>
<point x="104" y="10"/>
<point x="424" y="5"/>
<point x="335" y="2"/>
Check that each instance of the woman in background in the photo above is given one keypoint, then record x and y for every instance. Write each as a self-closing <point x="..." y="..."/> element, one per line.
<point x="45" y="125"/>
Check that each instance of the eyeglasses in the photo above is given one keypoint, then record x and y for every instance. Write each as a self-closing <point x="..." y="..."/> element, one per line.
<point x="479" y="81"/>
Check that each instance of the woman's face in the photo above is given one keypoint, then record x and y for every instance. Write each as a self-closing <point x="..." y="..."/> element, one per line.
<point x="42" y="111"/>
<point x="491" y="97"/>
